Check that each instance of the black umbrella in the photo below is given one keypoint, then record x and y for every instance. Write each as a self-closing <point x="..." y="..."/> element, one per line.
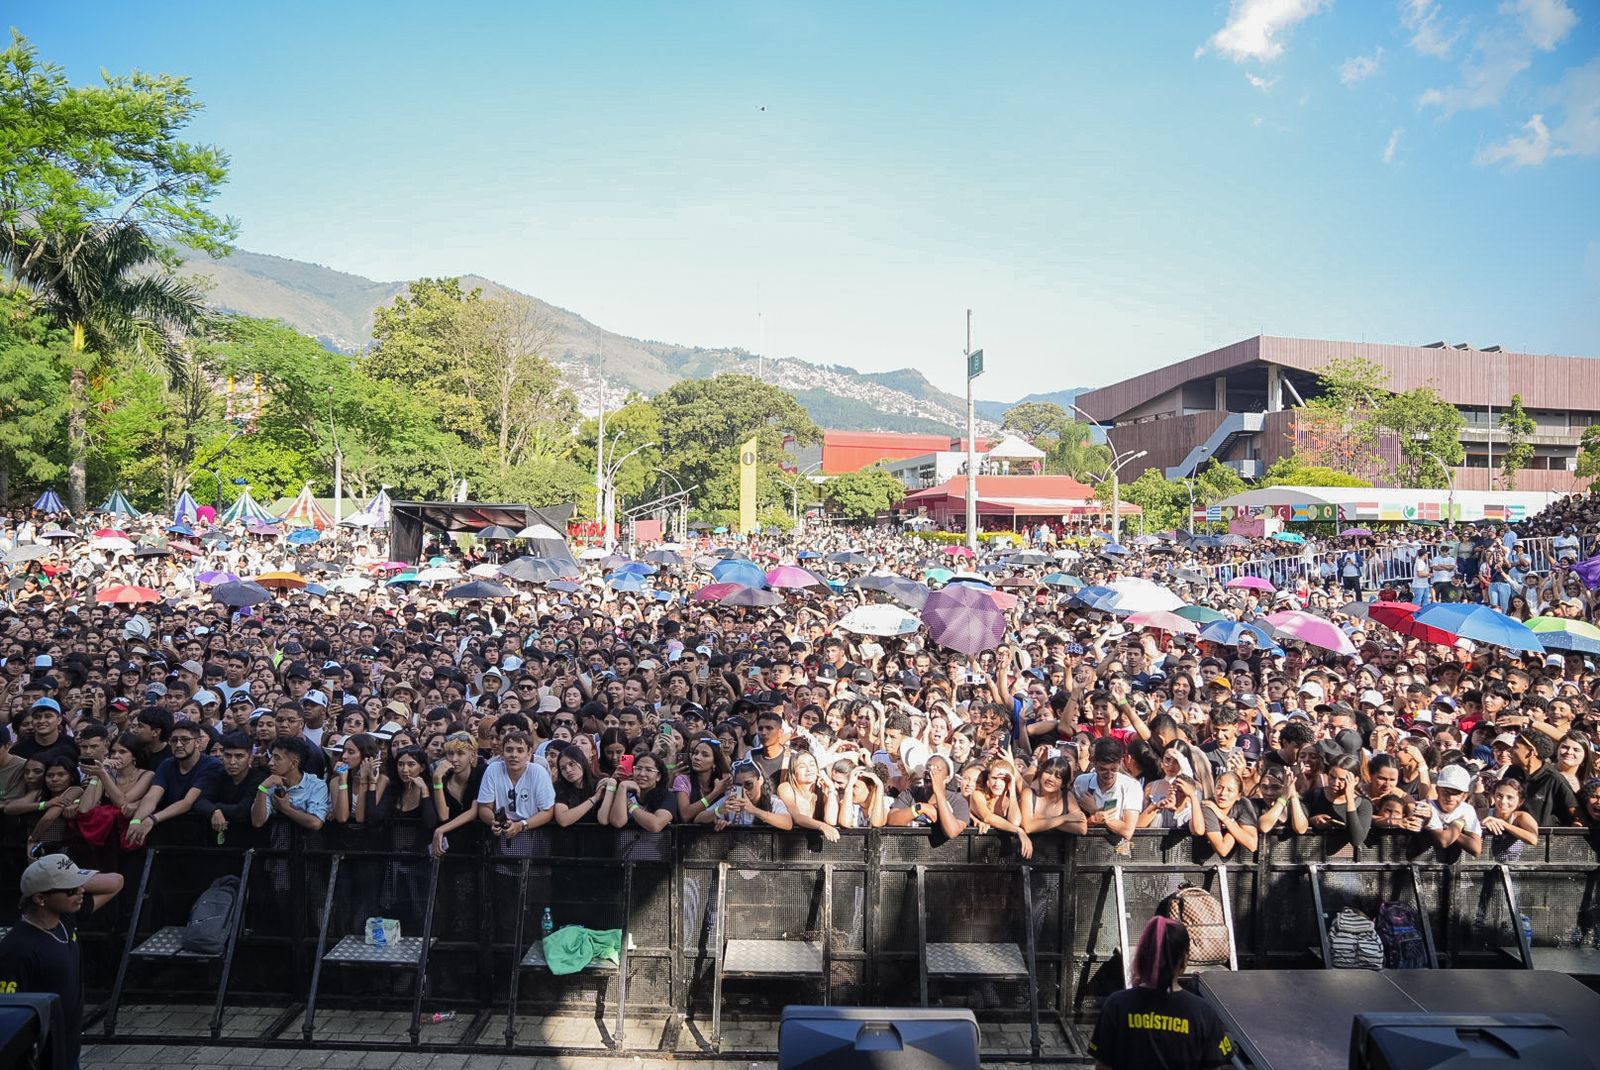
<point x="496" y="531"/>
<point x="531" y="570"/>
<point x="480" y="589"/>
<point x="848" y="557"/>
<point x="243" y="593"/>
<point x="752" y="596"/>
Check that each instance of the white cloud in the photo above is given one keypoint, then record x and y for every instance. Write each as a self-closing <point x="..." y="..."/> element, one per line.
<point x="1579" y="132"/>
<point x="1392" y="145"/>
<point x="1504" y="51"/>
<point x="1360" y="68"/>
<point x="1515" y="152"/>
<point x="1544" y="22"/>
<point x="1256" y="29"/>
<point x="1263" y="84"/>
<point x="1430" y="34"/>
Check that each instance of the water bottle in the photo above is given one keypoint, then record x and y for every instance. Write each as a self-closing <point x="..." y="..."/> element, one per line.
<point x="1527" y="928"/>
<point x="547" y="925"/>
<point x="441" y="1016"/>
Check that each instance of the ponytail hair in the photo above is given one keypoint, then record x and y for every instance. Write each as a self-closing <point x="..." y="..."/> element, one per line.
<point x="1162" y="951"/>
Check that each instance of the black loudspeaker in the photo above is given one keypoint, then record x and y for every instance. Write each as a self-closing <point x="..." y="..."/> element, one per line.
<point x="877" y="1038"/>
<point x="1421" y="1041"/>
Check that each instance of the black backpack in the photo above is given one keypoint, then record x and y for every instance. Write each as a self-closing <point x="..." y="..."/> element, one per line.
<point x="1400" y="928"/>
<point x="211" y="918"/>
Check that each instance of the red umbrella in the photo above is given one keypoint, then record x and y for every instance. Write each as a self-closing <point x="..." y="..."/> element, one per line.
<point x="110" y="533"/>
<point x="127" y="595"/>
<point x="715" y="592"/>
<point x="959" y="551"/>
<point x="1401" y="617"/>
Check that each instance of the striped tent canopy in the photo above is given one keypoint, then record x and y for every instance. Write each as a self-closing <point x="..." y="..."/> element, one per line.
<point x="246" y="510"/>
<point x="49" y="502"/>
<point x="304" y="512"/>
<point x="117" y="505"/>
<point x="185" y="508"/>
<point x="380" y="508"/>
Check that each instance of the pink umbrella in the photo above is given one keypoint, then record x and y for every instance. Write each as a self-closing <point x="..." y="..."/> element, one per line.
<point x="791" y="576"/>
<point x="1162" y="620"/>
<point x="964" y="619"/>
<point x="1312" y="629"/>
<point x="1253" y="583"/>
<point x="715" y="592"/>
<point x="959" y="551"/>
<point x="1003" y="599"/>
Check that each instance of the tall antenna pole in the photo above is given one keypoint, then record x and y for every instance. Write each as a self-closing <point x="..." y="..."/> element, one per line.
<point x="972" y="449"/>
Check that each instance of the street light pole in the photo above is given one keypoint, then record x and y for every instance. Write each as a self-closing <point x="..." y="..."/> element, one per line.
<point x="1450" y="498"/>
<point x="610" y="487"/>
<point x="972" y="445"/>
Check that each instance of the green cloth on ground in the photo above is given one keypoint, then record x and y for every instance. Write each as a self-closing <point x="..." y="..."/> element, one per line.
<point x="572" y="948"/>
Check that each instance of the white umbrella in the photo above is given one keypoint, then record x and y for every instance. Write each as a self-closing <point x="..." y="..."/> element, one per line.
<point x="358" y="520"/>
<point x="879" y="619"/>
<point x="539" y="531"/>
<point x="593" y="553"/>
<point x="114" y="543"/>
<point x="350" y="584"/>
<point x="1067" y="553"/>
<point x="484" y="571"/>
<point x="1134" y="595"/>
<point x="436" y="573"/>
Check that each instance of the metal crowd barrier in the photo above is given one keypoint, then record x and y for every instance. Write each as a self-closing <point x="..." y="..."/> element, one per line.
<point x="744" y="922"/>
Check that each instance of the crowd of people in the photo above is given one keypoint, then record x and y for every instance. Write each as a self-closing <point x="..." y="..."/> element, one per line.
<point x="442" y="725"/>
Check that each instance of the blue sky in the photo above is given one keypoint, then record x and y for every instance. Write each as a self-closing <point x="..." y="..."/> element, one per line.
<point x="1109" y="187"/>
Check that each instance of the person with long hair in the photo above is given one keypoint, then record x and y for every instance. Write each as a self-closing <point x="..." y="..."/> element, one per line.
<point x="459" y="776"/>
<point x="809" y="796"/>
<point x="997" y="801"/>
<point x="1156" y="1023"/>
<point x="1050" y="805"/>
<point x="705" y="779"/>
<point x="1574" y="759"/>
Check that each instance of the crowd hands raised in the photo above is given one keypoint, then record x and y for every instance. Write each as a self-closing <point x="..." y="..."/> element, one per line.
<point x="397" y="720"/>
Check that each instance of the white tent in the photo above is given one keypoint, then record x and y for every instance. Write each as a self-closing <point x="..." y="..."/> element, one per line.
<point x="1012" y="448"/>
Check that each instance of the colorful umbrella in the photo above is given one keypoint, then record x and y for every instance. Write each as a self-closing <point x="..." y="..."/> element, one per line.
<point x="959" y="551"/>
<point x="1164" y="621"/>
<point x="1249" y="583"/>
<point x="213" y="577"/>
<point x="879" y="619"/>
<point x="127" y="596"/>
<point x="715" y="592"/>
<point x="1479" y="623"/>
<point x="635" y="568"/>
<point x="938" y="575"/>
<point x="1231" y="632"/>
<point x="281" y="581"/>
<point x="1310" y="629"/>
<point x="1200" y="614"/>
<point x="1292" y="537"/>
<point x="303" y="536"/>
<point x="49" y="502"/>
<point x="1559" y="633"/>
<point x="964" y="619"/>
<point x="1401" y="617"/>
<point x="792" y="576"/>
<point x="1061" y="579"/>
<point x="628" y="581"/>
<point x="1356" y="533"/>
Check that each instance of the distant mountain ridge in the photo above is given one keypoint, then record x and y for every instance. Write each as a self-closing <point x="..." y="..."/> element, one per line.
<point x="337" y="308"/>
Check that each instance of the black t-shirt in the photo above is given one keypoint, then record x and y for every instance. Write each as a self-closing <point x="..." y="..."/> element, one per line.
<point x="773" y="770"/>
<point x="1142" y="1029"/>
<point x="1550" y="799"/>
<point x="33" y="960"/>
<point x="32" y="748"/>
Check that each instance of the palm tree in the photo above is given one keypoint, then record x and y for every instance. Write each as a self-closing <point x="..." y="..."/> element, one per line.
<point x="1077" y="454"/>
<point x="110" y="289"/>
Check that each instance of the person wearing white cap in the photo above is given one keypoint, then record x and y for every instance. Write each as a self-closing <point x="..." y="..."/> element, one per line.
<point x="1454" y="823"/>
<point x="41" y="952"/>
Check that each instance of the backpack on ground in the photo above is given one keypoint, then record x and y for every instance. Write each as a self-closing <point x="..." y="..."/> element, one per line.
<point x="1353" y="942"/>
<point x="211" y="918"/>
<point x="1400" y="928"/>
<point x="1201" y="913"/>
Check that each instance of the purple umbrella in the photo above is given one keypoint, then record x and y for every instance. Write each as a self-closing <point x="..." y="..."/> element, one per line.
<point x="212" y="578"/>
<point x="791" y="576"/>
<point x="1588" y="570"/>
<point x="964" y="618"/>
<point x="1356" y="533"/>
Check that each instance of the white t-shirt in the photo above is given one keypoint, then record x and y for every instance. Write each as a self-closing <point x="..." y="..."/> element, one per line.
<point x="1463" y="815"/>
<point x="531" y="795"/>
<point x="1125" y="794"/>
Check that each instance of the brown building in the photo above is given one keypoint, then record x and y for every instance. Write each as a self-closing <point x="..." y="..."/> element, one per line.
<point x="1238" y="404"/>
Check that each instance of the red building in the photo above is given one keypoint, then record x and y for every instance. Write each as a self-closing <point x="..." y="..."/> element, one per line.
<point x="851" y="451"/>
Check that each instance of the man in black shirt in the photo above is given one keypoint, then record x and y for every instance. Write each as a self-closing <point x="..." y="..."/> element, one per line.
<point x="225" y="806"/>
<point x="41" y="952"/>
<point x="1546" y="793"/>
<point x="47" y="733"/>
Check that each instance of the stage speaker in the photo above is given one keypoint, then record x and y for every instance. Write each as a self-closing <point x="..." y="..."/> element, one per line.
<point x="1422" y="1041"/>
<point x="877" y="1038"/>
<point x="20" y="1033"/>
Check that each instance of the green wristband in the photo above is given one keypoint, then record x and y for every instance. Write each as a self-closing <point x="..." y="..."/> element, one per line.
<point x="135" y="821"/>
<point x="263" y="789"/>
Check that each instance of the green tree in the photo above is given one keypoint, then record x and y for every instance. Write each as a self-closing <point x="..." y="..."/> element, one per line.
<point x="107" y="288"/>
<point x="860" y="496"/>
<point x="1340" y="427"/>
<point x="33" y="396"/>
<point x="635" y="424"/>
<point x="427" y="342"/>
<point x="1292" y="471"/>
<point x="1075" y="453"/>
<point x="1164" y="502"/>
<point x="1040" y="422"/>
<point x="75" y="161"/>
<point x="1589" y="457"/>
<point x="705" y="421"/>
<point x="1517" y="425"/>
<point x="1217" y="481"/>
<point x="1428" y="429"/>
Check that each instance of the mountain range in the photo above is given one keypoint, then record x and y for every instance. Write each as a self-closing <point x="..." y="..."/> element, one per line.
<point x="337" y="308"/>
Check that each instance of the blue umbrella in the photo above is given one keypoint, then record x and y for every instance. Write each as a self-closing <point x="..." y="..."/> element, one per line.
<point x="1114" y="549"/>
<point x="564" y="586"/>
<point x="1061" y="579"/>
<point x="403" y="579"/>
<point x="1095" y="597"/>
<point x="180" y="529"/>
<point x="1229" y="632"/>
<point x="627" y="581"/>
<point x="49" y="502"/>
<point x="316" y="588"/>
<point x="663" y="596"/>
<point x="304" y="536"/>
<point x="744" y="573"/>
<point x="636" y="568"/>
<point x="806" y="555"/>
<point x="1481" y="624"/>
<point x="1290" y="537"/>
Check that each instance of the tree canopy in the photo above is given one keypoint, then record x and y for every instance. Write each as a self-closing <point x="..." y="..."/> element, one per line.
<point x="860" y="496"/>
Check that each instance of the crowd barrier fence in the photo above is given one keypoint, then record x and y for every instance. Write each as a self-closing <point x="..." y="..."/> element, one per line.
<point x="879" y="917"/>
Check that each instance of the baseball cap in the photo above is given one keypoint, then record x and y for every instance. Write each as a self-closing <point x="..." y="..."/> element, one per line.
<point x="46" y="704"/>
<point x="54" y="873"/>
<point x="1371" y="697"/>
<point x="1557" y="660"/>
<point x="206" y="698"/>
<point x="316" y="698"/>
<point x="194" y="667"/>
<point x="1454" y="778"/>
<point x="1314" y="689"/>
<point x="1504" y="739"/>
